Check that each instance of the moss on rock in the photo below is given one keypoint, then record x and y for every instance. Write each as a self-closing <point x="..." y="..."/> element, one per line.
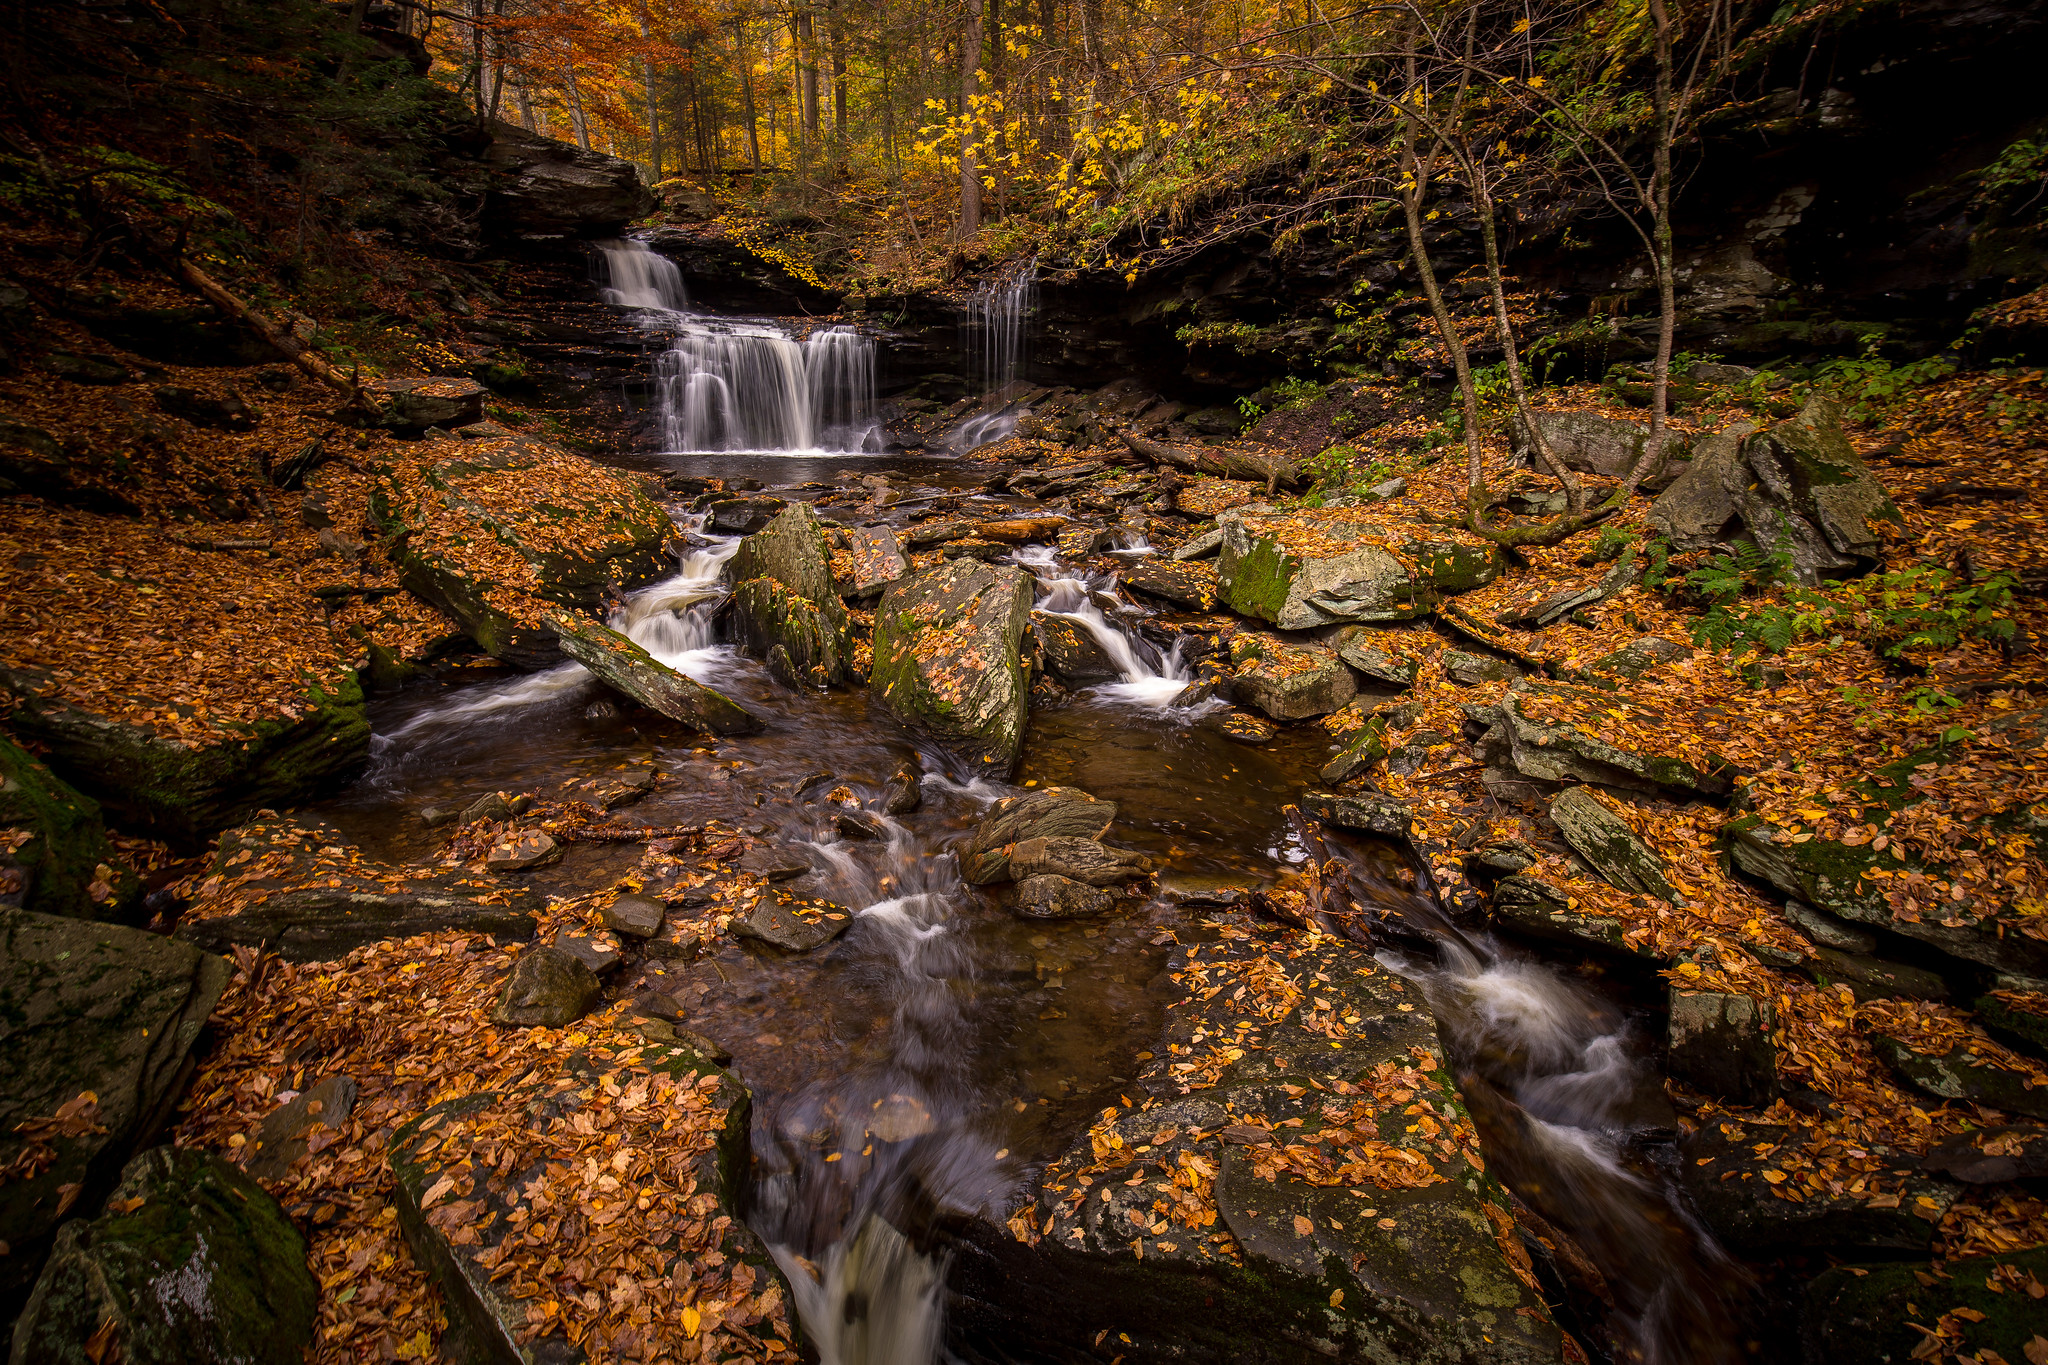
<point x="67" y="866"/>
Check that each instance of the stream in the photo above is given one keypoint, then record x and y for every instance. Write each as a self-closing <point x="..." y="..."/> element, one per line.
<point x="930" y="1062"/>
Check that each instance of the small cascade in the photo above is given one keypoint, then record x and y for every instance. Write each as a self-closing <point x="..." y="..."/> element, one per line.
<point x="742" y="385"/>
<point x="637" y="276"/>
<point x="996" y="332"/>
<point x="1145" y="682"/>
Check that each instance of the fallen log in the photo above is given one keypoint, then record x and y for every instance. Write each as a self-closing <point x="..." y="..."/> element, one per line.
<point x="1272" y="470"/>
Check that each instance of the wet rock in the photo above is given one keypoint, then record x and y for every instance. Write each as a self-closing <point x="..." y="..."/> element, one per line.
<point x="1884" y="1314"/>
<point x="416" y="404"/>
<point x="1990" y="1156"/>
<point x="547" y="988"/>
<point x="861" y="824"/>
<point x="980" y="551"/>
<point x="773" y="864"/>
<point x="595" y="532"/>
<point x="614" y="790"/>
<point x="490" y="806"/>
<point x="1050" y="896"/>
<point x="947" y="662"/>
<point x="1827" y="931"/>
<point x="191" y="1261"/>
<point x="1470" y="670"/>
<point x="1872" y="978"/>
<point x="632" y="672"/>
<point x="2020" y="1028"/>
<point x="458" y="1239"/>
<point x="522" y="851"/>
<point x="1190" y="584"/>
<point x="1242" y="727"/>
<point x="1534" y="907"/>
<point x="634" y="916"/>
<point x="1081" y="860"/>
<point x="1332" y="565"/>
<point x="740" y="516"/>
<point x="870" y="559"/>
<point x="1799" y="485"/>
<point x="601" y="955"/>
<point x="1021" y="530"/>
<point x="87" y="1007"/>
<point x="544" y="187"/>
<point x="927" y="534"/>
<point x="290" y="1131"/>
<point x="1055" y="813"/>
<point x="1079" y="542"/>
<point x="225" y="411"/>
<point x="1720" y="1044"/>
<point x="1365" y="1273"/>
<point x="1289" y="682"/>
<point x="1368" y="812"/>
<point x="1070" y="651"/>
<point x="1731" y="1185"/>
<point x="1962" y="1073"/>
<point x="903" y="794"/>
<point x="792" y="923"/>
<point x="1605" y="840"/>
<point x="783" y="595"/>
<point x="1592" y="444"/>
<point x="1360" y="647"/>
<point x="1558" y="732"/>
<point x="66" y="865"/>
<point x="1207" y="543"/>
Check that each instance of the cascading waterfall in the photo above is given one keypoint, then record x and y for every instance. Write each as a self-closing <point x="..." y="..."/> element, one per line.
<point x="745" y="385"/>
<point x="996" y="332"/>
<point x="1144" y="682"/>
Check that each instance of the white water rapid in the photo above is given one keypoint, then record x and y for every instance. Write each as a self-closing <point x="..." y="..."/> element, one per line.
<point x="995" y="332"/>
<point x="1149" y="679"/>
<point x="729" y="385"/>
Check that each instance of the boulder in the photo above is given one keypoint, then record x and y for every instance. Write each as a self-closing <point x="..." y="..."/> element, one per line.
<point x="191" y="1261"/>
<point x="226" y="411"/>
<point x="544" y="188"/>
<point x="1827" y="931"/>
<point x="634" y="916"/>
<point x="1365" y="649"/>
<point x="1470" y="670"/>
<point x="946" y="657"/>
<point x="66" y="865"/>
<point x="1593" y="444"/>
<point x="1368" y="812"/>
<point x="867" y="560"/>
<point x="1871" y="978"/>
<point x="1963" y="1073"/>
<point x="1605" y="840"/>
<point x="1050" y="896"/>
<point x="322" y="924"/>
<point x="1070" y="652"/>
<point x="416" y="404"/>
<point x="186" y="790"/>
<point x="1054" y="813"/>
<point x="1331" y="565"/>
<point x="927" y="534"/>
<point x="1559" y="732"/>
<point x="290" y="1130"/>
<point x="1720" y="1044"/>
<point x="1529" y="905"/>
<point x="1577" y="596"/>
<point x="632" y="672"/>
<point x="1639" y="657"/>
<point x="1287" y="681"/>
<point x="1975" y="1308"/>
<point x="490" y="532"/>
<point x="1990" y="1156"/>
<point x="783" y="595"/>
<point x="1081" y="860"/>
<point x="547" y="988"/>
<point x="1799" y="486"/>
<point x="787" y="921"/>
<point x="741" y="516"/>
<point x="1736" y="1191"/>
<point x="1191" y="584"/>
<point x="599" y="953"/>
<point x="1239" y="727"/>
<point x="61" y="469"/>
<point x="522" y="851"/>
<point x="97" y="1025"/>
<point x="2026" y="1029"/>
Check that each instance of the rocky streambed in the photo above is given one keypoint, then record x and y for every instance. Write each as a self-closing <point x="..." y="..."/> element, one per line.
<point x="1080" y="900"/>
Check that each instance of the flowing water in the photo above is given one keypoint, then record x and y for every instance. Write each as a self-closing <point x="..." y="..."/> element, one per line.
<point x="996" y="334"/>
<point x="928" y="1062"/>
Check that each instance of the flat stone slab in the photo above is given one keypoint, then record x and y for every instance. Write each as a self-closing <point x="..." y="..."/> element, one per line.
<point x="792" y="923"/>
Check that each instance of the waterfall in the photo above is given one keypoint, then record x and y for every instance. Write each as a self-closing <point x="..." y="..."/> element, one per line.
<point x="996" y="334"/>
<point x="636" y="276"/>
<point x="1072" y="599"/>
<point x="745" y="385"/>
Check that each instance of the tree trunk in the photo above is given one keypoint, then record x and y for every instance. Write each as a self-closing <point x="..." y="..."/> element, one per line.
<point x="747" y="93"/>
<point x="807" y="69"/>
<point x="838" y="30"/>
<point x="1660" y="231"/>
<point x="1489" y="238"/>
<point x="970" y="170"/>
<point x="576" y="118"/>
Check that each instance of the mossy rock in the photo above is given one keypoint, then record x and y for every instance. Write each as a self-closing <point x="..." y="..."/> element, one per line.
<point x="186" y="791"/>
<point x="1881" y="1314"/>
<point x="58" y="871"/>
<point x="1327" y="566"/>
<point x="947" y="661"/>
<point x="191" y="1261"/>
<point x="88" y="1007"/>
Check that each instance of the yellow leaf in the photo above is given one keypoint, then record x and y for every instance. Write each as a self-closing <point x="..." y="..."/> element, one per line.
<point x="1775" y="1177"/>
<point x="1336" y="1298"/>
<point x="692" y="1320"/>
<point x="1688" y="969"/>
